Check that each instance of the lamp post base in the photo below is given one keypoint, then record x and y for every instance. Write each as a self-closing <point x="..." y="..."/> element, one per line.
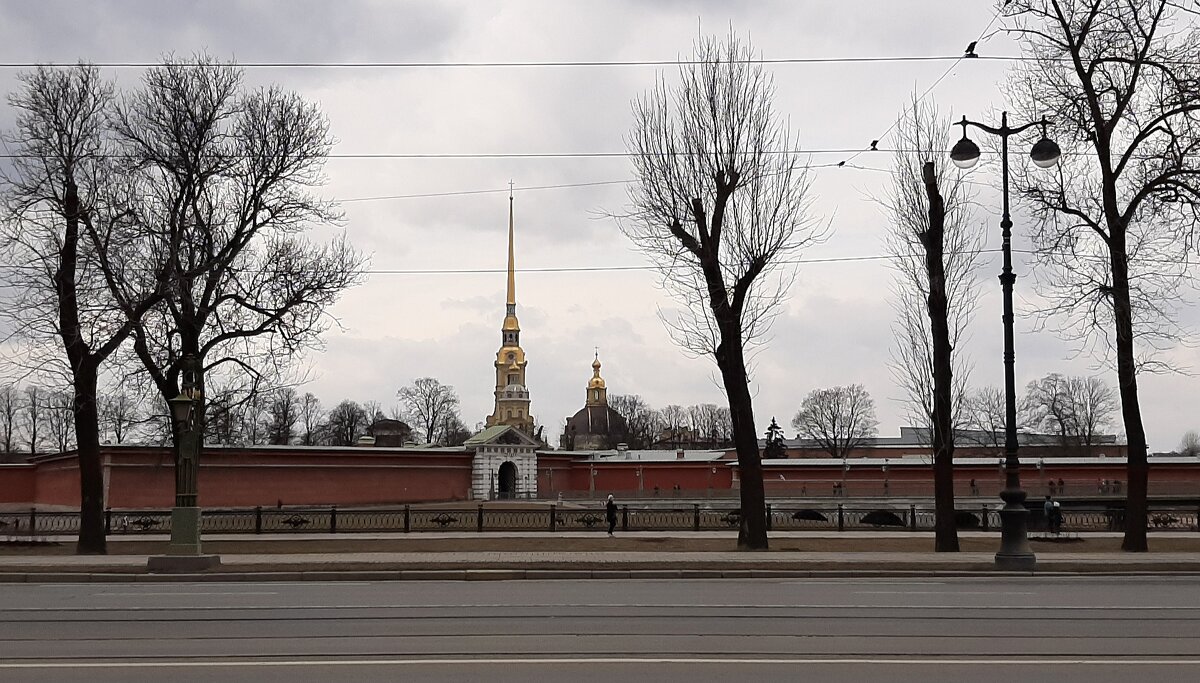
<point x="183" y="553"/>
<point x="1015" y="553"/>
<point x="185" y="531"/>
<point x="1016" y="563"/>
<point x="182" y="564"/>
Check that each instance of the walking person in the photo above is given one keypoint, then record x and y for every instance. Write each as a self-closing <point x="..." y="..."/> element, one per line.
<point x="610" y="514"/>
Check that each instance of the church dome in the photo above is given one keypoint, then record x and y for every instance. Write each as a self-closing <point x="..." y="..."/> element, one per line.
<point x="595" y="427"/>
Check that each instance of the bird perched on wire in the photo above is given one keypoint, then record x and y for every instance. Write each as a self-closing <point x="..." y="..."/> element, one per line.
<point x="874" y="147"/>
<point x="841" y="164"/>
<point x="971" y="49"/>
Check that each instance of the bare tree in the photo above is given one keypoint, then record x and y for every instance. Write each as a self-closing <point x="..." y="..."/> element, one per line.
<point x="673" y="421"/>
<point x="1117" y="225"/>
<point x="374" y="411"/>
<point x="427" y="404"/>
<point x="63" y="191"/>
<point x="284" y="414"/>
<point x="344" y="424"/>
<point x="917" y="246"/>
<point x="982" y="419"/>
<point x="709" y="423"/>
<point x="1095" y="407"/>
<point x="838" y="419"/>
<point x="936" y="250"/>
<point x="255" y="416"/>
<point x="60" y="420"/>
<point x="724" y="426"/>
<point x="231" y="193"/>
<point x="453" y="431"/>
<point x="34" y="417"/>
<point x="311" y="419"/>
<point x="720" y="206"/>
<point x="120" y="413"/>
<point x="639" y="419"/>
<point x="1075" y="409"/>
<point x="222" y="424"/>
<point x="1189" y="445"/>
<point x="10" y="407"/>
<point x="1049" y="402"/>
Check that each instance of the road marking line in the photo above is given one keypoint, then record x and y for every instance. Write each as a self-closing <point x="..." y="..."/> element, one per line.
<point x="191" y="593"/>
<point x="944" y="593"/>
<point x="601" y="660"/>
<point x="1048" y="608"/>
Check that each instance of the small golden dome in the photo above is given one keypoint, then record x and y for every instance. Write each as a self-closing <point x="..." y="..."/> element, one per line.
<point x="596" y="382"/>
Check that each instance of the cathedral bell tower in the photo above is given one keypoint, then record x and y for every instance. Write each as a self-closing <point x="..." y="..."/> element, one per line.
<point x="512" y="396"/>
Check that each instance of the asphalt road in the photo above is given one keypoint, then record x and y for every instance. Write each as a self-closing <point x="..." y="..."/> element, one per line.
<point x="827" y="630"/>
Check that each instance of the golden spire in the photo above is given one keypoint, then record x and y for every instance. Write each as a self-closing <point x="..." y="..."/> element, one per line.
<point x="510" y="310"/>
<point x="512" y="279"/>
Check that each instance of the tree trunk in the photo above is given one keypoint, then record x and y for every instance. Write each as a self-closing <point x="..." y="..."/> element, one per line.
<point x="752" y="531"/>
<point x="84" y="380"/>
<point x="1138" y="469"/>
<point x="92" y="539"/>
<point x="945" y="530"/>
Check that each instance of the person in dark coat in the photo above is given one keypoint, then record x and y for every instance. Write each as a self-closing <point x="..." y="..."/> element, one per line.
<point x="610" y="514"/>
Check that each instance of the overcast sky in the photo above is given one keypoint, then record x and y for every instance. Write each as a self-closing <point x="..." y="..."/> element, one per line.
<point x="398" y="326"/>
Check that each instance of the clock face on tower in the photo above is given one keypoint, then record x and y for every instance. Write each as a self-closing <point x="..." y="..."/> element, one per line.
<point x="511" y="356"/>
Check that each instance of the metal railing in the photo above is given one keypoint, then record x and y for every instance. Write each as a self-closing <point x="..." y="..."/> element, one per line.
<point x="822" y="516"/>
<point x="841" y="489"/>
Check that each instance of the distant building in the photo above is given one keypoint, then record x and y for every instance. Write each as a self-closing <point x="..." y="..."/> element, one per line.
<point x="596" y="426"/>
<point x="916" y="441"/>
<point x="390" y="433"/>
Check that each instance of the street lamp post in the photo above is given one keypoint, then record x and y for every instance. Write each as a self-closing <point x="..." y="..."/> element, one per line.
<point x="1015" y="552"/>
<point x="184" y="552"/>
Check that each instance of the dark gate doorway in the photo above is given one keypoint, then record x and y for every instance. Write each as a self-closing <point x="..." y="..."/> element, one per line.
<point x="508" y="481"/>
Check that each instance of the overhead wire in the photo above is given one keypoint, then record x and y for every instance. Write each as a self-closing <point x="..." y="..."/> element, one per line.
<point x="511" y="65"/>
<point x="923" y="95"/>
<point x="568" y="155"/>
<point x="846" y="163"/>
<point x="639" y="268"/>
<point x="596" y="183"/>
<point x="460" y="193"/>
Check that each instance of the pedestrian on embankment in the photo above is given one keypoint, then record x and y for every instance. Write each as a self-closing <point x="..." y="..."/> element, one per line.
<point x="610" y="514"/>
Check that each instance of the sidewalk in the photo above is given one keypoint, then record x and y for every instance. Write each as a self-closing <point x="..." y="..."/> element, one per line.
<point x="30" y="565"/>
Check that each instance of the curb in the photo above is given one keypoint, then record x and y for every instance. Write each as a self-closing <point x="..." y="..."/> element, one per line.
<point x="546" y="574"/>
